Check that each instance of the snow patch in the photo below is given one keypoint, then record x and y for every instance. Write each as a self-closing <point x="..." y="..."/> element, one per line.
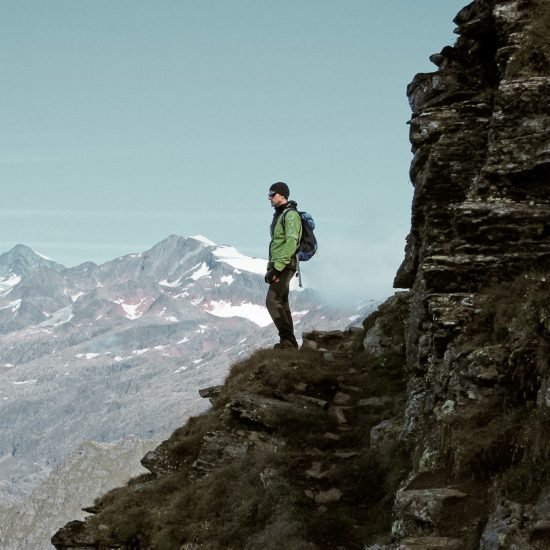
<point x="202" y="239"/>
<point x="181" y="369"/>
<point x="173" y="284"/>
<point x="253" y="312"/>
<point x="184" y="340"/>
<point x="5" y="293"/>
<point x="132" y="310"/>
<point x="227" y="279"/>
<point x="87" y="355"/>
<point x="20" y="382"/>
<point x="7" y="284"/>
<point x="75" y="297"/>
<point x="231" y="256"/>
<point x="13" y="305"/>
<point x="202" y="271"/>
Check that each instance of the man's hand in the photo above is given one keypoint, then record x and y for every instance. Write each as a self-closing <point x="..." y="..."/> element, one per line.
<point x="272" y="276"/>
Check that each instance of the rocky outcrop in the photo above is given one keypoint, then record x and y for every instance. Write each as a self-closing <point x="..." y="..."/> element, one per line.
<point x="98" y="352"/>
<point x="480" y="134"/>
<point x="282" y="460"/>
<point x="477" y="259"/>
<point x="431" y="428"/>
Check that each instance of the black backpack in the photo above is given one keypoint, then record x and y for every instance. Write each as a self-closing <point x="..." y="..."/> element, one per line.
<point x="308" y="242"/>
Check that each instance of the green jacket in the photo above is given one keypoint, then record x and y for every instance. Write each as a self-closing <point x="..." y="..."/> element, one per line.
<point x="285" y="239"/>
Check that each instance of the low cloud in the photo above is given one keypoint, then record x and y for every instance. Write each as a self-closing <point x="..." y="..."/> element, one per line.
<point x="352" y="271"/>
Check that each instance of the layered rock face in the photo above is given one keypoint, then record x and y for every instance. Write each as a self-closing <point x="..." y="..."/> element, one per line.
<point x="431" y="429"/>
<point x="477" y="260"/>
<point x="480" y="133"/>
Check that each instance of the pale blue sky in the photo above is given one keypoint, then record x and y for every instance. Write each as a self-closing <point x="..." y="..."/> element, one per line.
<point x="124" y="121"/>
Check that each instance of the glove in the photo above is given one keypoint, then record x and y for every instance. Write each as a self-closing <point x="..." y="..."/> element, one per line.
<point x="272" y="276"/>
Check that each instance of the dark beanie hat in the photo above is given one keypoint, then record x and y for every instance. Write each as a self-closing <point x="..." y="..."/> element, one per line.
<point x="281" y="188"/>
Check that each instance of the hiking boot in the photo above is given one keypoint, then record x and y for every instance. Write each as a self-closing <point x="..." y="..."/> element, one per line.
<point x="285" y="344"/>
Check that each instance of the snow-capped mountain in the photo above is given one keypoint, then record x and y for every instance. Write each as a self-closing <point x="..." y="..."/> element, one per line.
<point x="22" y="260"/>
<point x="178" y="279"/>
<point x="100" y="352"/>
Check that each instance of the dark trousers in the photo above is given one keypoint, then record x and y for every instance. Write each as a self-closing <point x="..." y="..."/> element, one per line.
<point x="277" y="305"/>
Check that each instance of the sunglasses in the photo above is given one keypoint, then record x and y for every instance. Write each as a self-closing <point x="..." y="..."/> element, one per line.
<point x="271" y="194"/>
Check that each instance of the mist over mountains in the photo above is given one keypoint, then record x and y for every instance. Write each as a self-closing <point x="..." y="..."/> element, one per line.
<point x="103" y="352"/>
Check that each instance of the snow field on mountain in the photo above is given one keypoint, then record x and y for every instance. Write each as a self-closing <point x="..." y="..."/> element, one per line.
<point x="7" y="284"/>
<point x="234" y="258"/>
<point x="253" y="312"/>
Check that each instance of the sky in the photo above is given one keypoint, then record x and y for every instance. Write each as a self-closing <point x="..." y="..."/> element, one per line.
<point x="125" y="121"/>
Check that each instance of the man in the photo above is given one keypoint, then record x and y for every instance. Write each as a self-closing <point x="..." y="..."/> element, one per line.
<point x="286" y="230"/>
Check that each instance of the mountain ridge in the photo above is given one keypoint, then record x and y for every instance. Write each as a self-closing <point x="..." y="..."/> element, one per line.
<point x="21" y="260"/>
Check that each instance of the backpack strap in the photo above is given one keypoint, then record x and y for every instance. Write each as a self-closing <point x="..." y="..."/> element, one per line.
<point x="281" y="216"/>
<point x="298" y="271"/>
<point x="284" y="213"/>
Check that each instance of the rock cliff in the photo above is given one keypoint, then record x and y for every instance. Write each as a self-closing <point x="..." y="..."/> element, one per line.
<point x="429" y="427"/>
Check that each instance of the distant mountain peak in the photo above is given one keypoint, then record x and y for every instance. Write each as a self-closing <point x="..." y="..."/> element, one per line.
<point x="21" y="250"/>
<point x="22" y="260"/>
<point x="167" y="257"/>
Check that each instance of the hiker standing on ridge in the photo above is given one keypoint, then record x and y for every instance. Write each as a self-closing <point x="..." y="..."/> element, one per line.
<point x="286" y="229"/>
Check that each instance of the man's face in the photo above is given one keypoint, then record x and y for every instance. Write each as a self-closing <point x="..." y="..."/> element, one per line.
<point x="276" y="199"/>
